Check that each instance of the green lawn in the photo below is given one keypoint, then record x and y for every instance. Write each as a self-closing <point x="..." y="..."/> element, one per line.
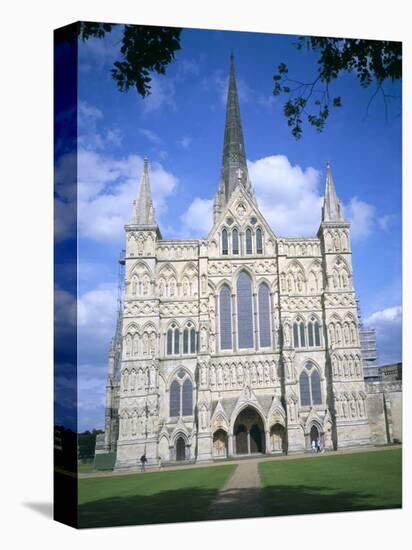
<point x="154" y="497"/>
<point x="332" y="483"/>
<point x="85" y="468"/>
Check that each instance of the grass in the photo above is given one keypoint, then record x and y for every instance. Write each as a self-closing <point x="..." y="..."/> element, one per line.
<point x="332" y="483"/>
<point x="85" y="468"/>
<point x="154" y="497"/>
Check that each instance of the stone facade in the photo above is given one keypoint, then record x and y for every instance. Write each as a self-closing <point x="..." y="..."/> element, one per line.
<point x="239" y="343"/>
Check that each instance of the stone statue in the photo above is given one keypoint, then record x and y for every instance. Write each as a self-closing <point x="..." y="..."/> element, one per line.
<point x="203" y="339"/>
<point x="213" y="377"/>
<point x="203" y="374"/>
<point x="153" y="344"/>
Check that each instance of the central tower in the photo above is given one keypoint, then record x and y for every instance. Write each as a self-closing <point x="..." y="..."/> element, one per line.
<point x="234" y="170"/>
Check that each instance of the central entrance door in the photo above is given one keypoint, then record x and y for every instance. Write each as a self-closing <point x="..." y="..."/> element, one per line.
<point x="249" y="432"/>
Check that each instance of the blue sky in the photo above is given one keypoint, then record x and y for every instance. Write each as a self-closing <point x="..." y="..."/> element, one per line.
<point x="180" y="128"/>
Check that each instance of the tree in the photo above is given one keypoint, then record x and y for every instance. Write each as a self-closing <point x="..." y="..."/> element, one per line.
<point x="144" y="49"/>
<point x="372" y="61"/>
<point x="87" y="443"/>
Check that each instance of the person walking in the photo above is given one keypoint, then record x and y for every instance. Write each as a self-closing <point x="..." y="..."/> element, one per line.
<point x="143" y="461"/>
<point x="318" y="449"/>
<point x="313" y="446"/>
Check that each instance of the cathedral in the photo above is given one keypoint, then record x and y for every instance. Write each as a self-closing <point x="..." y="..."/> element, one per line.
<point x="240" y="343"/>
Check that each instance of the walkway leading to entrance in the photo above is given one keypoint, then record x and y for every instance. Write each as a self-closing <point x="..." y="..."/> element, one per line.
<point x="241" y="496"/>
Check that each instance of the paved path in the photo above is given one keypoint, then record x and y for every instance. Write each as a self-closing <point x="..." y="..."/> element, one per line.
<point x="241" y="461"/>
<point x="241" y="495"/>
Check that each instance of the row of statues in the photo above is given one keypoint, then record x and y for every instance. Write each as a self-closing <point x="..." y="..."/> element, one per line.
<point x="238" y="376"/>
<point x="346" y="366"/>
<point x="136" y="344"/>
<point x="349" y="406"/>
<point x="139" y="379"/>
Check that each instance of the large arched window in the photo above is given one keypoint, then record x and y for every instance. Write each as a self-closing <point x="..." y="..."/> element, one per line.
<point x="187" y="398"/>
<point x="175" y="398"/>
<point x="315" y="388"/>
<point x="225" y="249"/>
<point x="181" y="395"/>
<point x="244" y="311"/>
<point x="259" y="244"/>
<point x="304" y="389"/>
<point x="173" y="340"/>
<point x="264" y="316"/>
<point x="299" y="340"/>
<point x="235" y="242"/>
<point x="313" y="333"/>
<point x="225" y="310"/>
<point x="248" y="241"/>
<point x="310" y="386"/>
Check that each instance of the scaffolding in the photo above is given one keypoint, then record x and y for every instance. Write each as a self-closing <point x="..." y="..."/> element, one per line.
<point x="367" y="337"/>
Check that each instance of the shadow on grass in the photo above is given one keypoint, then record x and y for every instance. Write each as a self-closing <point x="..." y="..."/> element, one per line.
<point x="166" y="507"/>
<point x="198" y="504"/>
<point x="302" y="499"/>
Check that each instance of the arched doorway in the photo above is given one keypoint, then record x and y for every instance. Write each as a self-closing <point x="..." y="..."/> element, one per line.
<point x="277" y="438"/>
<point x="220" y="444"/>
<point x="180" y="449"/>
<point x="314" y="434"/>
<point x="249" y="433"/>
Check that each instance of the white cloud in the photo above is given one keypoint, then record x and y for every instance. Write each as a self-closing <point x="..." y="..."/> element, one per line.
<point x="185" y="142"/>
<point x="106" y="191"/>
<point x="388" y="325"/>
<point x="150" y="135"/>
<point x="198" y="218"/>
<point x="385" y="221"/>
<point x="362" y="218"/>
<point x="287" y="195"/>
<point x="388" y="315"/>
<point x="88" y="118"/>
<point x="290" y="199"/>
<point x="162" y="94"/>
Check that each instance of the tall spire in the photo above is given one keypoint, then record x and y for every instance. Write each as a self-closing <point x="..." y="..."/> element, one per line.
<point x="332" y="207"/>
<point x="234" y="167"/>
<point x="143" y="211"/>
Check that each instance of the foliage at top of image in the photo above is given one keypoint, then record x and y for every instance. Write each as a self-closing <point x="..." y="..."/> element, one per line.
<point x="143" y="49"/>
<point x="371" y="61"/>
<point x="146" y="49"/>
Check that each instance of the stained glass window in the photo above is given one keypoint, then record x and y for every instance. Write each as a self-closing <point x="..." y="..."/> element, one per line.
<point x="315" y="387"/>
<point x="304" y="389"/>
<point x="187" y="398"/>
<point x="235" y="242"/>
<point x="302" y="334"/>
<point x="264" y="316"/>
<point x="192" y="340"/>
<point x="175" y="398"/>
<point x="225" y="309"/>
<point x="248" y="241"/>
<point x="177" y="335"/>
<point x="224" y="242"/>
<point x="259" y="246"/>
<point x="317" y="333"/>
<point x="169" y="342"/>
<point x="244" y="311"/>
<point x="186" y="340"/>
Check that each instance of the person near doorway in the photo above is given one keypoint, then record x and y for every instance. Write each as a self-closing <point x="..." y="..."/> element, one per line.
<point x="313" y="446"/>
<point x="318" y="448"/>
<point x="143" y="461"/>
